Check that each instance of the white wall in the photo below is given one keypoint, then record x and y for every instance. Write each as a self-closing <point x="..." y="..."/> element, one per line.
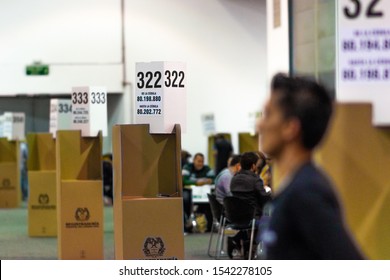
<point x="223" y="43"/>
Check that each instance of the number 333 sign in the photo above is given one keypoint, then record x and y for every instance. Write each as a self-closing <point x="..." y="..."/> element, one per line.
<point x="89" y="110"/>
<point x="160" y="95"/>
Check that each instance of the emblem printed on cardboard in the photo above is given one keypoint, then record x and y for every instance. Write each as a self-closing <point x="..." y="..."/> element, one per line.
<point x="43" y="203"/>
<point x="82" y="214"/>
<point x="6" y="184"/>
<point x="82" y="217"/>
<point x="154" y="247"/>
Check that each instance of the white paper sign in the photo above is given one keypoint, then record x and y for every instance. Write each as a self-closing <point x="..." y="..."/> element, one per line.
<point x="208" y="123"/>
<point x="1" y="126"/>
<point x="89" y="110"/>
<point x="14" y="125"/>
<point x="60" y="115"/>
<point x="363" y="55"/>
<point x="160" y="95"/>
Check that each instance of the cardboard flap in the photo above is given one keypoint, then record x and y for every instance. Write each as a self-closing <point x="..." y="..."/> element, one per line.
<point x="149" y="163"/>
<point x="8" y="150"/>
<point x="41" y="152"/>
<point x="79" y="158"/>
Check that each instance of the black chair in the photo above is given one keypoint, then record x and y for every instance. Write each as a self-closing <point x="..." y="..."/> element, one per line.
<point x="241" y="216"/>
<point x="217" y="212"/>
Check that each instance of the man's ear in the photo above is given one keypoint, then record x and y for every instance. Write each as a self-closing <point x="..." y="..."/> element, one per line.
<point x="291" y="129"/>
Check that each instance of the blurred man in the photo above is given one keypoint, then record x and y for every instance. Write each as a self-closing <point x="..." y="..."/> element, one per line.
<point x="223" y="149"/>
<point x="222" y="181"/>
<point x="306" y="221"/>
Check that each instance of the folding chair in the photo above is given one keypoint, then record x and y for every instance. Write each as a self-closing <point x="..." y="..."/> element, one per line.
<point x="241" y="216"/>
<point x="217" y="212"/>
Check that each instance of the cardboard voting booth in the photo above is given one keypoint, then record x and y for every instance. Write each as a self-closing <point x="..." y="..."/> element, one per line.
<point x="148" y="205"/>
<point x="42" y="199"/>
<point x="79" y="196"/>
<point x="248" y="142"/>
<point x="10" y="192"/>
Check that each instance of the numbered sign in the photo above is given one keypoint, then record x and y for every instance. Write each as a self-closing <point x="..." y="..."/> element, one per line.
<point x="1" y="126"/>
<point x="89" y="110"/>
<point x="160" y="95"/>
<point x="60" y="115"/>
<point x="363" y="55"/>
<point x="13" y="125"/>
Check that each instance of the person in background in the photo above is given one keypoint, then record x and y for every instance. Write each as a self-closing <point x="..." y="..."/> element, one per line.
<point x="248" y="186"/>
<point x="223" y="149"/>
<point x="306" y="221"/>
<point x="185" y="158"/>
<point x="107" y="180"/>
<point x="23" y="170"/>
<point x="196" y="174"/>
<point x="263" y="170"/>
<point x="222" y="181"/>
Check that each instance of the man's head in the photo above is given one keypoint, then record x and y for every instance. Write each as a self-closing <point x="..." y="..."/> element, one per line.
<point x="234" y="163"/>
<point x="198" y="161"/>
<point x="249" y="161"/>
<point x="298" y="112"/>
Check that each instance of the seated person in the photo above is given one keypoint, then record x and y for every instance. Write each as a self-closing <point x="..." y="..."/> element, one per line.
<point x="198" y="174"/>
<point x="222" y="181"/>
<point x="247" y="185"/>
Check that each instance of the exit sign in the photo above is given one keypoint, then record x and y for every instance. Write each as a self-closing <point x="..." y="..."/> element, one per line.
<point x="37" y="70"/>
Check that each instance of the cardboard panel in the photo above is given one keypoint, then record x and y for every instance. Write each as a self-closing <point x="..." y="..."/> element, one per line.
<point x="10" y="192"/>
<point x="156" y="231"/>
<point x="248" y="142"/>
<point x="80" y="220"/>
<point x="79" y="158"/>
<point x="42" y="203"/>
<point x="357" y="157"/>
<point x="149" y="163"/>
<point x="8" y="150"/>
<point x="41" y="152"/>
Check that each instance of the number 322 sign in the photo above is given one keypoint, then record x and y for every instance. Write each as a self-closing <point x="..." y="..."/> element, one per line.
<point x="160" y="95"/>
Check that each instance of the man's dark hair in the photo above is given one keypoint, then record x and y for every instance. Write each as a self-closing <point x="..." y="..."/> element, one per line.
<point x="307" y="101"/>
<point x="248" y="160"/>
<point x="198" y="155"/>
<point x="235" y="160"/>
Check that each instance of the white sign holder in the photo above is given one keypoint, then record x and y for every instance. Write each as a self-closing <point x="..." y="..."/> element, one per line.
<point x="160" y="95"/>
<point x="363" y="55"/>
<point x="60" y="115"/>
<point x="14" y="125"/>
<point x="89" y="110"/>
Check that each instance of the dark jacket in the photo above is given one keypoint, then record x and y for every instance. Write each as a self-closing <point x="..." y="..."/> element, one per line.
<point x="248" y="186"/>
<point x="307" y="221"/>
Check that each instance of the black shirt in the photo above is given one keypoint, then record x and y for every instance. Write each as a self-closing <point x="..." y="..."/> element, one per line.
<point x="224" y="149"/>
<point x="307" y="222"/>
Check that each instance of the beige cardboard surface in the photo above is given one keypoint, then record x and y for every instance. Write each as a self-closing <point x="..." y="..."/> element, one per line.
<point x="42" y="203"/>
<point x="248" y="142"/>
<point x="8" y="150"/>
<point x="79" y="196"/>
<point x="80" y="220"/>
<point x="41" y="151"/>
<point x="10" y="192"/>
<point x="357" y="157"/>
<point x="146" y="165"/>
<point x="156" y="231"/>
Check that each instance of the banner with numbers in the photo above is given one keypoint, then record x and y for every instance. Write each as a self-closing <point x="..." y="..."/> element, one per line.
<point x="363" y="55"/>
<point x="89" y="110"/>
<point x="14" y="125"/>
<point x="160" y="95"/>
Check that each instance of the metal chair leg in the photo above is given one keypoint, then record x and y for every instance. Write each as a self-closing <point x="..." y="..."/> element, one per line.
<point x="210" y="241"/>
<point x="221" y="233"/>
<point x="251" y="240"/>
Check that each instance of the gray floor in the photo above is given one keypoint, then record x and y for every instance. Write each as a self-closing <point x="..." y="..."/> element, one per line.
<point x="16" y="244"/>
